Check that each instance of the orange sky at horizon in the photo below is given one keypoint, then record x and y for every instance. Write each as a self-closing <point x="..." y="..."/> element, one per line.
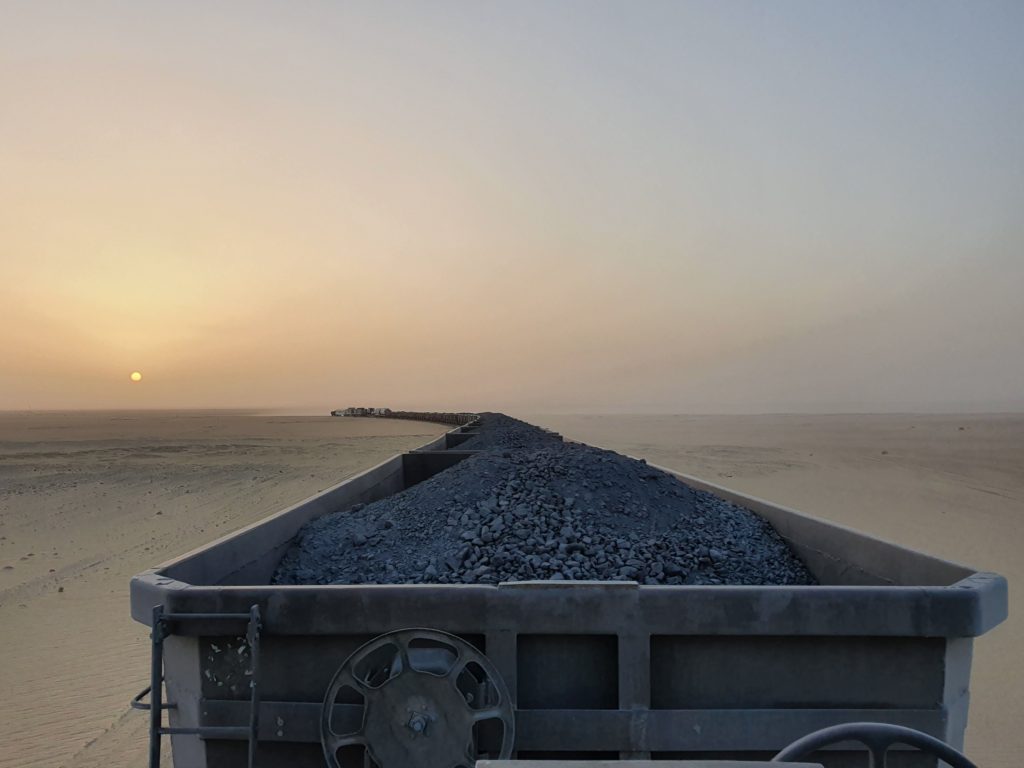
<point x="500" y="207"/>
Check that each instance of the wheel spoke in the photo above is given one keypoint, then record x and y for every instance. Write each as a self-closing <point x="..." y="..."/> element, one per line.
<point x="336" y="742"/>
<point x="458" y="664"/>
<point x="345" y="679"/>
<point x="876" y="755"/>
<point x="491" y="713"/>
<point x="349" y="678"/>
<point x="456" y="670"/>
<point x="403" y="655"/>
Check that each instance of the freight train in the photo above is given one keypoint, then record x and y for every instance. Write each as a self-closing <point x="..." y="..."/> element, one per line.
<point x="250" y="673"/>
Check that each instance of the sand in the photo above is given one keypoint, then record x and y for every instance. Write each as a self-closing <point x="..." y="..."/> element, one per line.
<point x="952" y="486"/>
<point x="81" y="492"/>
<point x="89" y="499"/>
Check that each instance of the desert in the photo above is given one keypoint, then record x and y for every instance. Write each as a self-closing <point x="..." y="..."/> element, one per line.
<point x="948" y="485"/>
<point x="89" y="499"/>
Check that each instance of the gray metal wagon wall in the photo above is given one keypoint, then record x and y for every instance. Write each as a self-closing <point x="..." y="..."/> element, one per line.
<point x="595" y="669"/>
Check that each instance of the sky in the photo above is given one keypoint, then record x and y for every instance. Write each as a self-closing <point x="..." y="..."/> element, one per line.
<point x="545" y="206"/>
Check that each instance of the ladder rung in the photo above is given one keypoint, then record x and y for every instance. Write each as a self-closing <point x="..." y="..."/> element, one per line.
<point x="209" y="731"/>
<point x="206" y="617"/>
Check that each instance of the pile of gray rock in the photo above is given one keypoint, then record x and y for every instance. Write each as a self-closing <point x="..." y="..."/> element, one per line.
<point x="529" y="506"/>
<point x="497" y="431"/>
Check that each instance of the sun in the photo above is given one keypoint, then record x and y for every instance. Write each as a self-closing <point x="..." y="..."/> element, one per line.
<point x="136" y="376"/>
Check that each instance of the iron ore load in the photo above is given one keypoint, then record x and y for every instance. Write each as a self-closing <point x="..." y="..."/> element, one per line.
<point x="530" y="506"/>
<point x="503" y="595"/>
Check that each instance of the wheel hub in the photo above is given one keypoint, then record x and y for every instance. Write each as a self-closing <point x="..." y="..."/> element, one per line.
<point x="418" y="719"/>
<point x="423" y="692"/>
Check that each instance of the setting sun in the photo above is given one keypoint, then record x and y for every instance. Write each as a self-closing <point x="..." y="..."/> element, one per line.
<point x="136" y="376"/>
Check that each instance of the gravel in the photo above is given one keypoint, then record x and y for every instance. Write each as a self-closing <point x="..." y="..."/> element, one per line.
<point x="500" y="432"/>
<point x="529" y="506"/>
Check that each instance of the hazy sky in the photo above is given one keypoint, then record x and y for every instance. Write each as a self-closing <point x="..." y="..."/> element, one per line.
<point x="593" y="206"/>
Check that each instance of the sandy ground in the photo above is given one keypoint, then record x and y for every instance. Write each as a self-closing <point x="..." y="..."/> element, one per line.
<point x="952" y="486"/>
<point x="89" y="499"/>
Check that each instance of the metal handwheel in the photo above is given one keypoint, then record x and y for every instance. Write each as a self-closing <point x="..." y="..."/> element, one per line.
<point x="877" y="737"/>
<point x="424" y="693"/>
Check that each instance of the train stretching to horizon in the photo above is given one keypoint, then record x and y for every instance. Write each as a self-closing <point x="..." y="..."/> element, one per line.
<point x="361" y="412"/>
<point x="440" y="417"/>
<point x="251" y="673"/>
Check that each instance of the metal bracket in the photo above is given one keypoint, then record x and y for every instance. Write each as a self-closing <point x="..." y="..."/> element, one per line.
<point x="162" y="627"/>
<point x="138" y="703"/>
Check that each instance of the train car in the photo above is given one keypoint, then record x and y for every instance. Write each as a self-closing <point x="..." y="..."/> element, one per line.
<point x="248" y="673"/>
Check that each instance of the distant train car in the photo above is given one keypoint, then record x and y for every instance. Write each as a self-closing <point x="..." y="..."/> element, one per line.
<point x="382" y="412"/>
